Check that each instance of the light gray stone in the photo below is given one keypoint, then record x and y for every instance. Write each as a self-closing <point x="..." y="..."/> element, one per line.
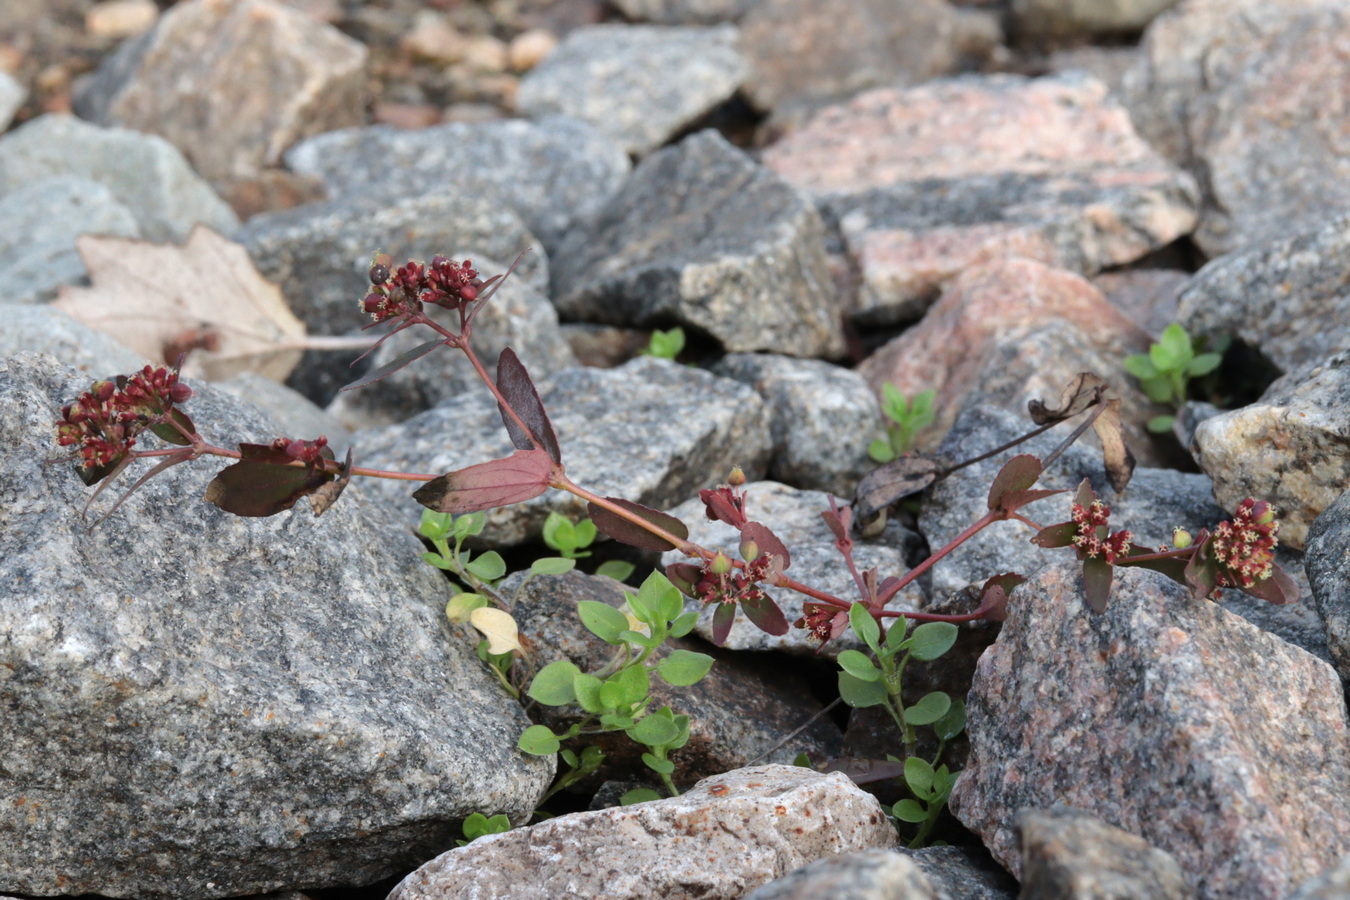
<point x="1334" y="884"/>
<point x="703" y="237"/>
<point x="650" y="431"/>
<point x="42" y="221"/>
<point x="200" y="706"/>
<point x="1068" y="854"/>
<point x="554" y="172"/>
<point x="1132" y="716"/>
<point x="1291" y="448"/>
<point x="683" y="12"/>
<point x="1327" y="563"/>
<point x="295" y="413"/>
<point x="877" y="874"/>
<point x="824" y="416"/>
<point x="639" y="85"/>
<point x="749" y="826"/>
<point x="147" y="174"/>
<point x="41" y="328"/>
<point x="794" y="516"/>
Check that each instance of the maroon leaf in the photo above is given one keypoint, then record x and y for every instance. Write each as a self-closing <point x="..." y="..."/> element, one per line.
<point x="261" y="484"/>
<point x="1202" y="572"/>
<point x="1054" y="536"/>
<point x="1279" y="588"/>
<point x="515" y="384"/>
<point x="1097" y="574"/>
<point x="839" y="521"/>
<point x="894" y="481"/>
<point x="718" y="507"/>
<point x="1015" y="500"/>
<point x="635" y="535"/>
<point x="768" y="543"/>
<point x="723" y="616"/>
<point x="165" y="463"/>
<point x="499" y="482"/>
<point x="1017" y="474"/>
<point x="994" y="596"/>
<point x="764" y="612"/>
<point x="398" y="362"/>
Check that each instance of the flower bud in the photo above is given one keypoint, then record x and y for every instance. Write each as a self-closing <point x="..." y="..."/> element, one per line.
<point x="103" y="390"/>
<point x="1181" y="538"/>
<point x="749" y="550"/>
<point x="180" y="392"/>
<point x="379" y="274"/>
<point x="720" y="564"/>
<point x="737" y="477"/>
<point x="1263" y="513"/>
<point x="469" y="292"/>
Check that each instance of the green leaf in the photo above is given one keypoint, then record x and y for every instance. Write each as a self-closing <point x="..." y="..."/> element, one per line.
<point x="587" y="689"/>
<point x="616" y="722"/>
<point x="802" y="760"/>
<point x="1176" y="346"/>
<point x="434" y="526"/>
<point x="654" y="730"/>
<point x="919" y="777"/>
<point x="910" y="811"/>
<point x="1203" y="364"/>
<point x="552" y="685"/>
<point x="657" y="764"/>
<point x="440" y="562"/>
<point x="641" y="639"/>
<point x="856" y="663"/>
<point x="1160" y="424"/>
<point x="1159" y="389"/>
<point x="617" y="569"/>
<point x="458" y="608"/>
<point x="489" y="567"/>
<point x="555" y="525"/>
<point x="602" y="620"/>
<point x="552" y="565"/>
<point x="632" y="684"/>
<point x="684" y="667"/>
<point x="1141" y="367"/>
<point x="929" y="709"/>
<point x="953" y="723"/>
<point x="893" y="403"/>
<point x="538" y="740"/>
<point x="683" y="624"/>
<point x="860" y="694"/>
<point x="931" y="639"/>
<point x="895" y="637"/>
<point x="477" y="825"/>
<point x="470" y="524"/>
<point x="638" y="795"/>
<point x="881" y="451"/>
<point x="584" y="532"/>
<point x="864" y="626"/>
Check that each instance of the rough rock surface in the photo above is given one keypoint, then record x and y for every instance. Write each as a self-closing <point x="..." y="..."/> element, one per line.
<point x="927" y="181"/>
<point x="1255" y="112"/>
<point x="672" y="430"/>
<point x="1328" y="566"/>
<point x="750" y="826"/>
<point x="1083" y="18"/>
<point x="638" y="85"/>
<point x="147" y="174"/>
<point x="41" y="328"/>
<point x="554" y="172"/>
<point x="1067" y="853"/>
<point x="1291" y="448"/>
<point x="1132" y="717"/>
<point x="795" y="517"/>
<point x="1276" y="295"/>
<point x="877" y="874"/>
<point x="704" y="237"/>
<point x="199" y="706"/>
<point x="257" y="75"/>
<point x="1148" y="296"/>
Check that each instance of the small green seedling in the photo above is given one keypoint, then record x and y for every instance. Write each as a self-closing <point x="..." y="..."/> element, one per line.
<point x="908" y="417"/>
<point x="478" y="572"/>
<point x="1165" y="372"/>
<point x="477" y="825"/>
<point x="571" y="541"/>
<point x="665" y="344"/>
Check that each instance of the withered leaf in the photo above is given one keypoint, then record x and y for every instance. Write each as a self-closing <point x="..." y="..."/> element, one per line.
<point x="621" y="529"/>
<point x="1081" y="393"/>
<point x="327" y="494"/>
<point x="499" y="482"/>
<point x="897" y="479"/>
<point x="1116" y="454"/>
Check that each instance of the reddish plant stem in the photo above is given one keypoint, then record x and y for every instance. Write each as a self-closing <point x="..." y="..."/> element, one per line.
<point x="978" y="525"/>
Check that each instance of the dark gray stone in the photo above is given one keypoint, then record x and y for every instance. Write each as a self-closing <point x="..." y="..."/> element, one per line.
<point x="1068" y="854"/>
<point x="704" y="237"/>
<point x="147" y="174"/>
<point x="1132" y="716"/>
<point x="824" y="416"/>
<point x="42" y="221"/>
<point x="554" y="172"/>
<point x="650" y="431"/>
<point x="794" y="516"/>
<point x="198" y="706"/>
<point x="877" y="874"/>
<point x="1328" y="565"/>
<point x="1287" y="296"/>
<point x="961" y="873"/>
<point x="639" y="85"/>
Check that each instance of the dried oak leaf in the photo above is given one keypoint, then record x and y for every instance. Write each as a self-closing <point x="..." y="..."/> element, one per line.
<point x="204" y="297"/>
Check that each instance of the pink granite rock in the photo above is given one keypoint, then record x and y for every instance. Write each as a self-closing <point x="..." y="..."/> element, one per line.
<point x="926" y="181"/>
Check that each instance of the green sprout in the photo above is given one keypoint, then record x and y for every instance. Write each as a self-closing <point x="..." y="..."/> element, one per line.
<point x="571" y="540"/>
<point x="908" y="417"/>
<point x="1165" y="372"/>
<point x="665" y="344"/>
<point x="477" y="825"/>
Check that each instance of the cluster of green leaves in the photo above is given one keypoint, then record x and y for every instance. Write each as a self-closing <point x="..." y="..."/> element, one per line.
<point x="571" y="540"/>
<point x="665" y="344"/>
<point x="618" y="696"/>
<point x="907" y="418"/>
<point x="878" y="680"/>
<point x="477" y="825"/>
<point x="1165" y="372"/>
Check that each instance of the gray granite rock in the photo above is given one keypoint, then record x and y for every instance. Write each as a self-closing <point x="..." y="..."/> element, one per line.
<point x="683" y="12"/>
<point x="794" y="516"/>
<point x="750" y="826"/>
<point x="639" y="85"/>
<point x="963" y="874"/>
<point x="1290" y="448"/>
<point x="703" y="237"/>
<point x="1328" y="566"/>
<point x="1253" y="112"/>
<point x="1147" y="296"/>
<point x="1132" y="717"/>
<point x="257" y="75"/>
<point x="12" y="96"/>
<point x="877" y="874"/>
<point x="650" y="431"/>
<point x="1083" y="18"/>
<point x="42" y="221"/>
<point x="201" y="706"/>
<point x="518" y="316"/>
<point x="738" y="713"/>
<point x="1068" y="854"/>
<point x="1285" y="296"/>
<point x="294" y="413"/>
<point x="924" y="182"/>
<point x="1334" y="884"/>
<point x="554" y="172"/>
<point x="147" y="174"/>
<point x="824" y="416"/>
<point x="41" y="328"/>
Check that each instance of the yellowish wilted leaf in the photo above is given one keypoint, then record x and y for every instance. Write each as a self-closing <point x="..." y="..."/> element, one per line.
<point x="498" y="627"/>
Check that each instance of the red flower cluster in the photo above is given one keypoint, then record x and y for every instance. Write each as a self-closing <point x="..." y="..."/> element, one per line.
<point x="825" y="623"/>
<point x="1244" y="548"/>
<point x="103" y="423"/>
<point x="304" y="451"/>
<point x="404" y="290"/>
<point x="1091" y="538"/>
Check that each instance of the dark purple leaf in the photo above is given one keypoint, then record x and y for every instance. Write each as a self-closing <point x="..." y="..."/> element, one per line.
<point x="723" y="616"/>
<point x="515" y="384"/>
<point x="1015" y="500"/>
<point x="395" y="364"/>
<point x="1017" y="474"/>
<point x="1097" y="574"/>
<point x="766" y="615"/>
<point x="635" y="535"/>
<point x="768" y="543"/>
<point x="1054" y="536"/>
<point x="500" y="482"/>
<point x="894" y="481"/>
<point x="163" y="464"/>
<point x="1202" y="572"/>
<point x="261" y="485"/>
<point x="1279" y="588"/>
<point x="866" y="771"/>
